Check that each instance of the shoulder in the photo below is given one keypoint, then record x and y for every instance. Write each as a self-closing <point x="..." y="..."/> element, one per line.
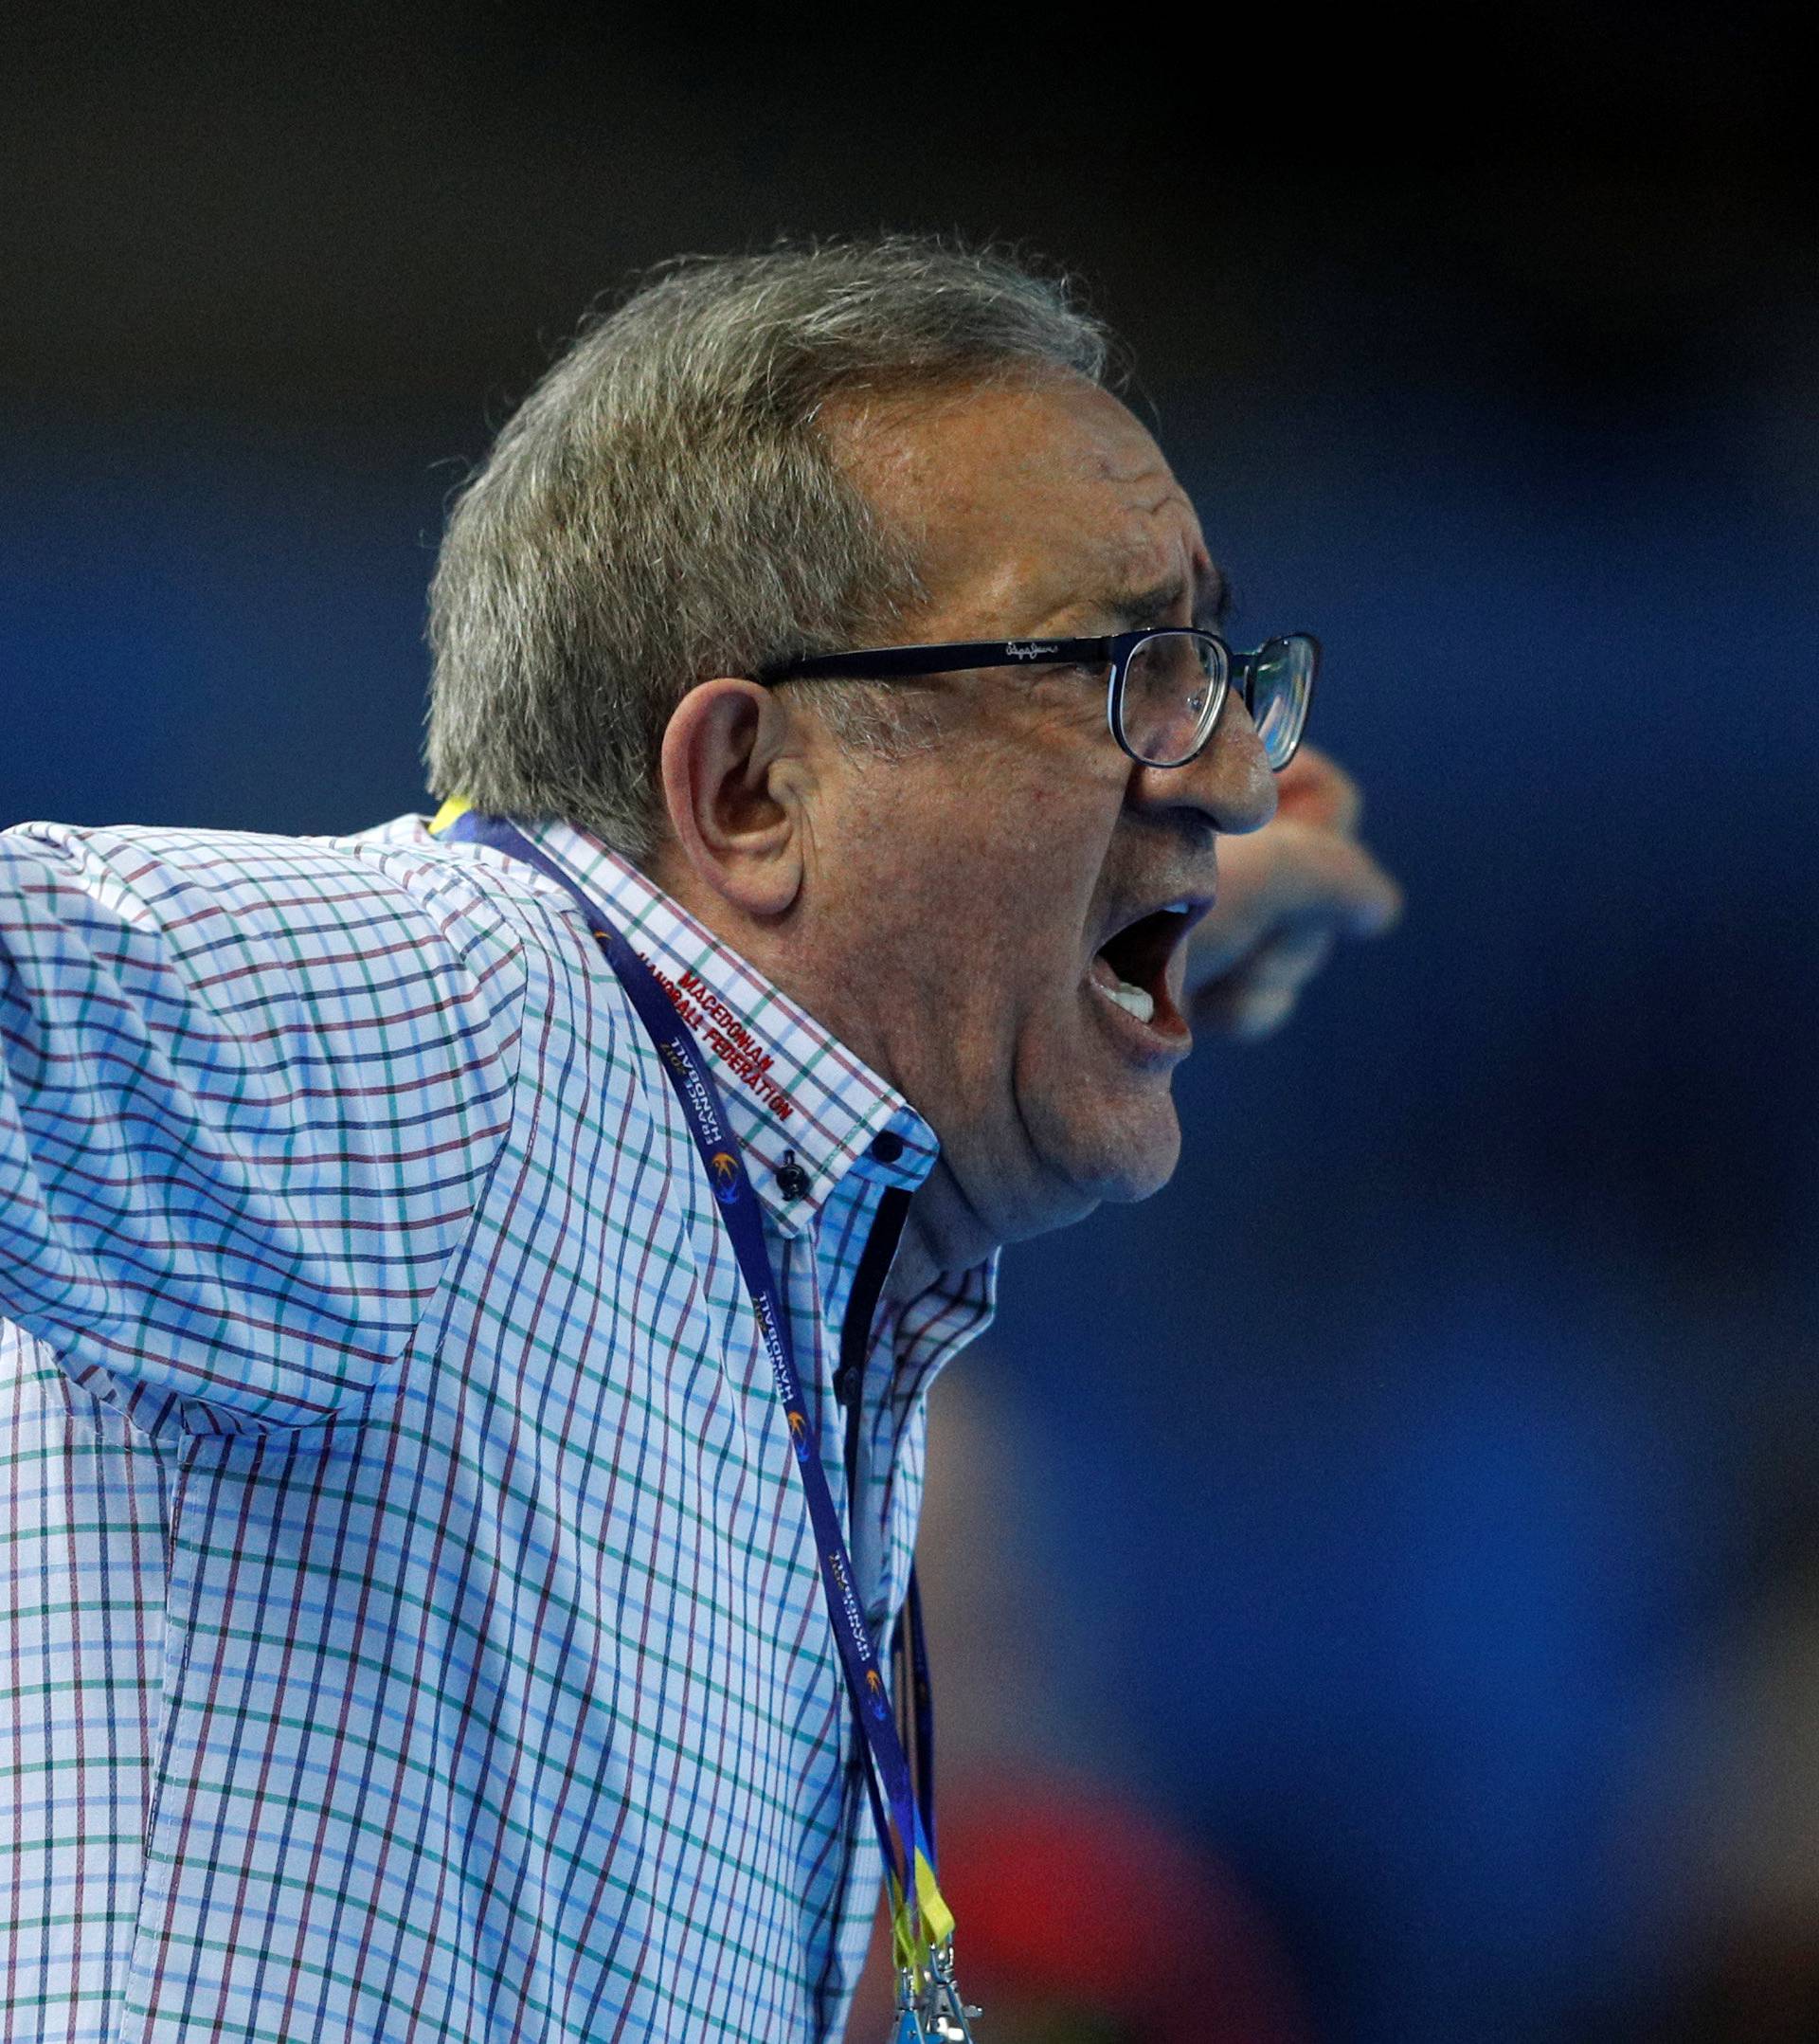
<point x="391" y="898"/>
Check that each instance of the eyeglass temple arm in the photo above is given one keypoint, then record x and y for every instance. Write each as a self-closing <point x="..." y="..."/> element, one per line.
<point x="885" y="663"/>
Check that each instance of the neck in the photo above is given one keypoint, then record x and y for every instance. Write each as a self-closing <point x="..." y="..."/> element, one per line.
<point x="944" y="1233"/>
<point x="941" y="1237"/>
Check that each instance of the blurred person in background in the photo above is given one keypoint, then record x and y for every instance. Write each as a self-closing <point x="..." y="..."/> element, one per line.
<point x="1093" y="1915"/>
<point x="417" y="1628"/>
<point x="1727" y="1815"/>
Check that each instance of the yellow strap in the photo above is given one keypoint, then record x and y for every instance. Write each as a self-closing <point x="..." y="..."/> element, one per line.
<point x="456" y="806"/>
<point x="937" y="1918"/>
<point x="902" y="1937"/>
<point x="912" y="1943"/>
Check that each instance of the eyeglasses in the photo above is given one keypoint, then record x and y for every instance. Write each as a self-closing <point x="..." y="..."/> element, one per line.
<point x="1163" y="692"/>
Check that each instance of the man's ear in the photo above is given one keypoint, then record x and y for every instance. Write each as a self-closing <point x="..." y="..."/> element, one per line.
<point x="734" y="777"/>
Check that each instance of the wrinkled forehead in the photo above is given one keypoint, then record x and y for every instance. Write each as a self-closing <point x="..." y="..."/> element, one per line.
<point x="1033" y="493"/>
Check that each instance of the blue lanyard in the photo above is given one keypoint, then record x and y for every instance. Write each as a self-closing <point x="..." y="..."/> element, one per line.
<point x="923" y="1923"/>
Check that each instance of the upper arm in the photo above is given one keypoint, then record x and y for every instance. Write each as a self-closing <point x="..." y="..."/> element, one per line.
<point x="245" y="1112"/>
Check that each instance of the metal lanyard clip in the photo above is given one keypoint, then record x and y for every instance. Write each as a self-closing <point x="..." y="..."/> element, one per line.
<point x="907" y="2026"/>
<point x="947" y="2014"/>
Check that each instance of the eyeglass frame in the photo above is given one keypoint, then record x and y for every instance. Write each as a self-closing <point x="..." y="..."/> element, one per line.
<point x="889" y="663"/>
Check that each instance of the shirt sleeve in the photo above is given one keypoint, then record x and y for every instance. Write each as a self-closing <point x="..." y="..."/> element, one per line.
<point x="249" y="1091"/>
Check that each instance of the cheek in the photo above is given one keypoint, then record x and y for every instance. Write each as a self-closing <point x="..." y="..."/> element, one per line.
<point x="980" y="887"/>
<point x="1020" y="895"/>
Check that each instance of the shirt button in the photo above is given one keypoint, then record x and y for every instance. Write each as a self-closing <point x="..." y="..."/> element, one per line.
<point x="887" y="1149"/>
<point x="792" y="1181"/>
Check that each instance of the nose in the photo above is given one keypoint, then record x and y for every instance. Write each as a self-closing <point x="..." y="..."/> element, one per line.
<point x="1228" y="783"/>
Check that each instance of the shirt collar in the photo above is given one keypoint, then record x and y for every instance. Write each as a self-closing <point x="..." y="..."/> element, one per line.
<point x="798" y="1100"/>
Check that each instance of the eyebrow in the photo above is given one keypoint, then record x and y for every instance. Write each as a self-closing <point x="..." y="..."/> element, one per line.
<point x="1134" y="609"/>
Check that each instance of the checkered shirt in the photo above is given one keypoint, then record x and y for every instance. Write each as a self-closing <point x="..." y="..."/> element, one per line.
<point x="411" y="1625"/>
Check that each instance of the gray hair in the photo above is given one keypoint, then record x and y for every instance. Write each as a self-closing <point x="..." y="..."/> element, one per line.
<point x="667" y="505"/>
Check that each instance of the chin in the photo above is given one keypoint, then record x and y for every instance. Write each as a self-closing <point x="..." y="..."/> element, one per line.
<point x="1143" y="1184"/>
<point x="1090" y="1143"/>
<point x="1132" y="1161"/>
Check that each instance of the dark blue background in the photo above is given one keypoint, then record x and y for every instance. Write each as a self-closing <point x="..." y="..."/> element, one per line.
<point x="1401" y="1468"/>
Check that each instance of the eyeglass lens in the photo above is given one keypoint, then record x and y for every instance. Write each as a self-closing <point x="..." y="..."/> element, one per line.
<point x="1282" y="680"/>
<point x="1173" y="684"/>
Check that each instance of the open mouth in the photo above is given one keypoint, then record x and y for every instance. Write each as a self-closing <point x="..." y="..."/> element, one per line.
<point x="1131" y="968"/>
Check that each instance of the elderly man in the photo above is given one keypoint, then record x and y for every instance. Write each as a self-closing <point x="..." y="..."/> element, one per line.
<point x="471" y="1291"/>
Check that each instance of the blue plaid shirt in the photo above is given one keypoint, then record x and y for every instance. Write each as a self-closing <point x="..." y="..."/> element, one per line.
<point x="412" y="1625"/>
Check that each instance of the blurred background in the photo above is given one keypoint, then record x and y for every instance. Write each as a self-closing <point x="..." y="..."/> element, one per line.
<point x="1376" y="1584"/>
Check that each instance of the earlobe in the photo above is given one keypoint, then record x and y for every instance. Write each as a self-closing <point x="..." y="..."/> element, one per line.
<point x="732" y="790"/>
